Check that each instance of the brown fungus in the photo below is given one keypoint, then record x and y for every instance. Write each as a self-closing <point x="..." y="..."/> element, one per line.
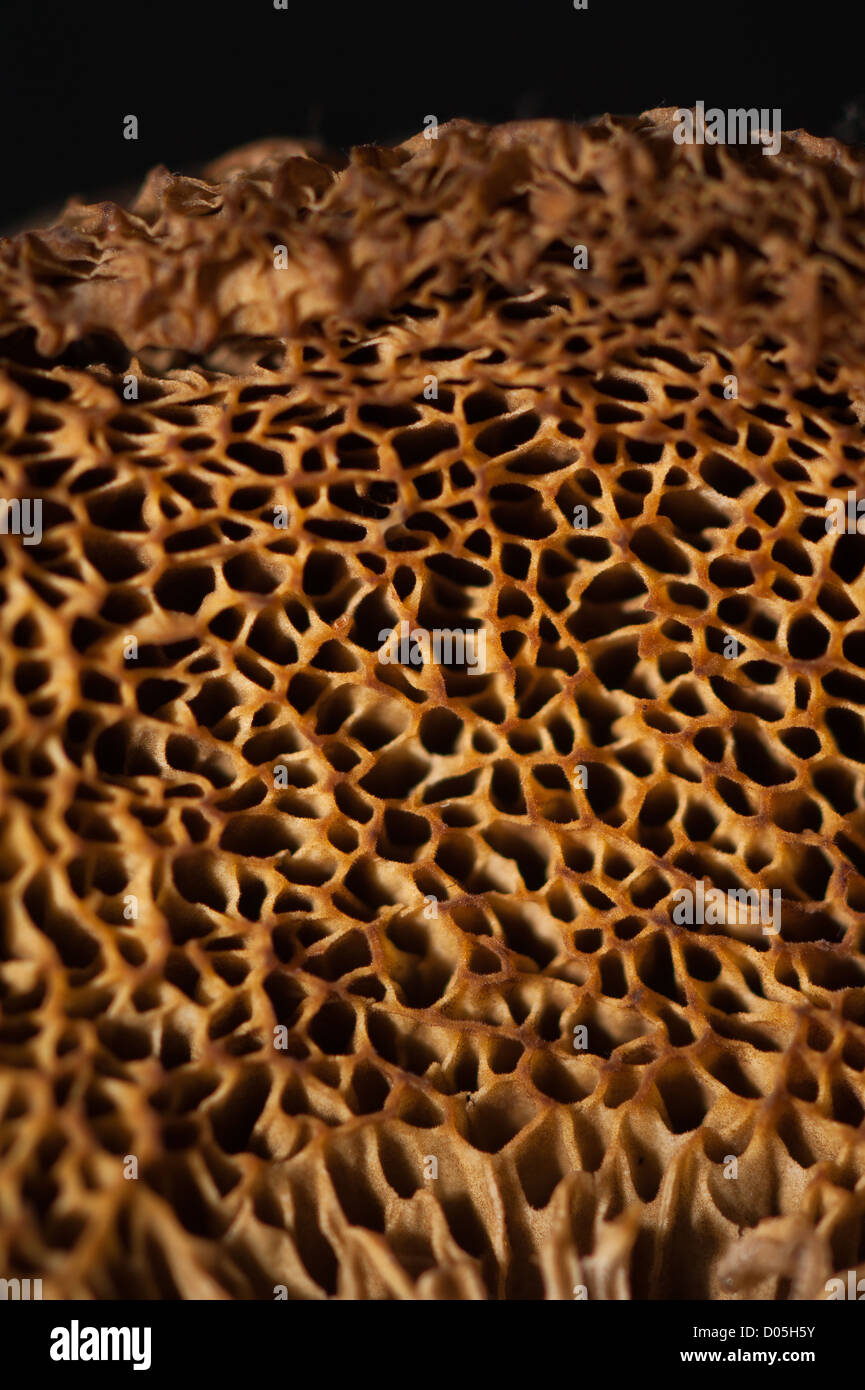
<point x="366" y="977"/>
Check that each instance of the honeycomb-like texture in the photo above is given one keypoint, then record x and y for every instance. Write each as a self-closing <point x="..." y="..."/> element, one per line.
<point x="283" y="922"/>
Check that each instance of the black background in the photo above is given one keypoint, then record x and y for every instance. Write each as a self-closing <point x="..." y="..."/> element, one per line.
<point x="202" y="77"/>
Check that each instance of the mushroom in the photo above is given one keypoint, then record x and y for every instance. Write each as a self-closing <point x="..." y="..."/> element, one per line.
<point x="324" y="975"/>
